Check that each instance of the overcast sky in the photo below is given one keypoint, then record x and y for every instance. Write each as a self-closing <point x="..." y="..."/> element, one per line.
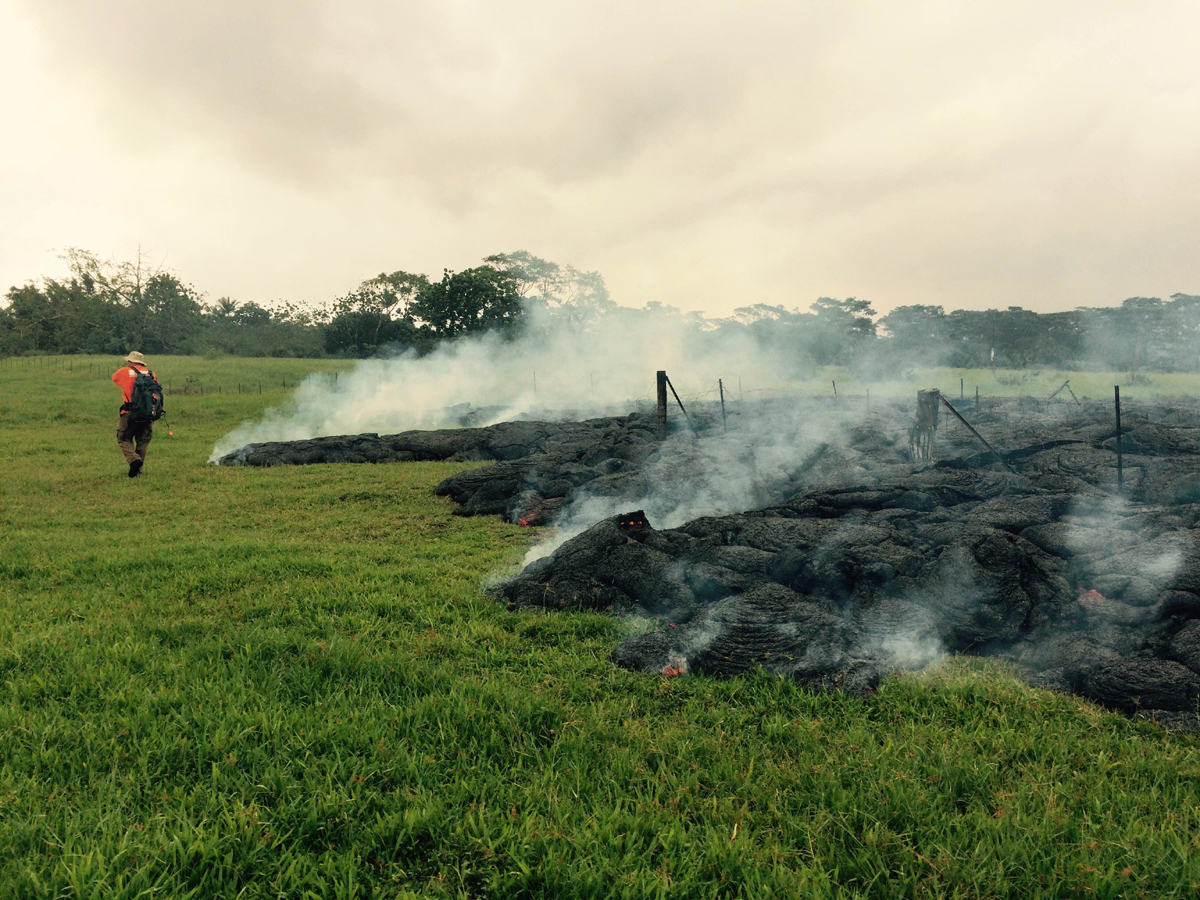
<point x="708" y="155"/>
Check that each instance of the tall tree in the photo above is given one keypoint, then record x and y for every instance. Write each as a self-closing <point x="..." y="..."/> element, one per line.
<point x="468" y="302"/>
<point x="224" y="308"/>
<point x="375" y="314"/>
<point x="840" y="329"/>
<point x="573" y="297"/>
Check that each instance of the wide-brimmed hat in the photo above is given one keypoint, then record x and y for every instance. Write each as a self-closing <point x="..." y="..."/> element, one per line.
<point x="135" y="357"/>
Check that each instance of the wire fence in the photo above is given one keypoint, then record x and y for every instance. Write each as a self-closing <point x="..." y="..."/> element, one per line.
<point x="967" y="397"/>
<point x="188" y="385"/>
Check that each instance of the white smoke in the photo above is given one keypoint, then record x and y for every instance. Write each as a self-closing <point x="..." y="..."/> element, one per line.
<point x="1108" y="535"/>
<point x="555" y="369"/>
<point x="756" y="464"/>
<point x="910" y="650"/>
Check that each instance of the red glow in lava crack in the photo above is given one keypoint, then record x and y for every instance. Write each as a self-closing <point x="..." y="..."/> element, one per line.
<point x="676" y="668"/>
<point x="1087" y="594"/>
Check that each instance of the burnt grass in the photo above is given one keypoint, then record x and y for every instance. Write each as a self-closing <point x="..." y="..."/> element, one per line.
<point x="859" y="561"/>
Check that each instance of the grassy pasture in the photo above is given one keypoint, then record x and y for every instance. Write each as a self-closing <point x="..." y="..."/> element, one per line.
<point x="285" y="682"/>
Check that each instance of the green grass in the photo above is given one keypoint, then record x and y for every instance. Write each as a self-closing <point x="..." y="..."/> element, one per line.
<point x="285" y="682"/>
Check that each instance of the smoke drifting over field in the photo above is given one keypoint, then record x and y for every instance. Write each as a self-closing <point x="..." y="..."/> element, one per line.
<point x="557" y="371"/>
<point x="553" y="368"/>
<point x="760" y="463"/>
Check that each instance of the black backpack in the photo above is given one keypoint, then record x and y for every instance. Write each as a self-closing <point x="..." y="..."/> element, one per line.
<point x="146" y="401"/>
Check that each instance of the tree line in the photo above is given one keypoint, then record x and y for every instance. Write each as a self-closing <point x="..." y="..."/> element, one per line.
<point x="110" y="307"/>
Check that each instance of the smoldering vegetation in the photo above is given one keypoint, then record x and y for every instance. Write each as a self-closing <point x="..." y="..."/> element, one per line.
<point x="807" y="541"/>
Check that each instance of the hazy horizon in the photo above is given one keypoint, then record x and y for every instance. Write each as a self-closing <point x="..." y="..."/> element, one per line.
<point x="706" y="156"/>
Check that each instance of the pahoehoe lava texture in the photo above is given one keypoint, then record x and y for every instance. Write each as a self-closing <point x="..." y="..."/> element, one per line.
<point x="861" y="562"/>
<point x="1082" y="589"/>
<point x="536" y="465"/>
<point x="838" y="588"/>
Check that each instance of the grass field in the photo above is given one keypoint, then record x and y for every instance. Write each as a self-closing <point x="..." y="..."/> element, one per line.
<point x="285" y="682"/>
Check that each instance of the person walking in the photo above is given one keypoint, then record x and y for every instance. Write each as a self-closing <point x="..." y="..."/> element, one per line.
<point x="133" y="426"/>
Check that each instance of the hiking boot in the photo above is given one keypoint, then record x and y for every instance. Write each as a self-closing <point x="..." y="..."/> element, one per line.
<point x="134" y="468"/>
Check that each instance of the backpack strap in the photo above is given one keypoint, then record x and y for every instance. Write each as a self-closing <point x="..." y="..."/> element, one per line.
<point x="128" y="405"/>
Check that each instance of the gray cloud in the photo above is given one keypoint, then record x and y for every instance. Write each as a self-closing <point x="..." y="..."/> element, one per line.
<point x="704" y="154"/>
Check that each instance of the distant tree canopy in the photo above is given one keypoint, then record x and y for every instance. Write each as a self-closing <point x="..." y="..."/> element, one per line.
<point x="469" y="302"/>
<point x="113" y="307"/>
<point x="102" y="308"/>
<point x="374" y="315"/>
<point x="401" y="311"/>
<point x="1143" y="332"/>
<point x="569" y="296"/>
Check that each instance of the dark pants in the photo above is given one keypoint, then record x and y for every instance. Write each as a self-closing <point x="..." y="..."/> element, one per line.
<point x="128" y="432"/>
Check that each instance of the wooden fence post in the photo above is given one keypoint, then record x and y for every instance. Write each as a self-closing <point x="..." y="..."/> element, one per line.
<point x="1120" y="470"/>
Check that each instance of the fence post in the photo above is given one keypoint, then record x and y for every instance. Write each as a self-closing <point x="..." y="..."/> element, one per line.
<point x="724" y="422"/>
<point x="1120" y="470"/>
